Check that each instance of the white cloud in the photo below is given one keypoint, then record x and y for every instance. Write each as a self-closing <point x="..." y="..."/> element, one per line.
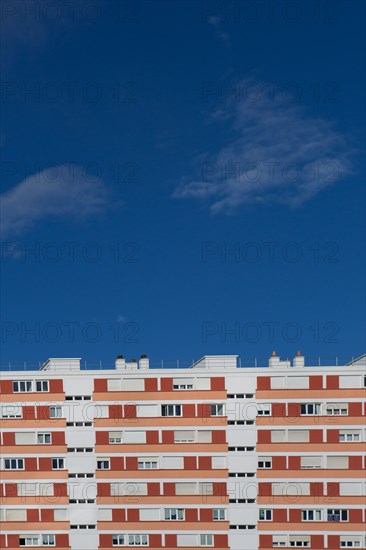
<point x="273" y="153"/>
<point x="60" y="191"/>
<point x="215" y="21"/>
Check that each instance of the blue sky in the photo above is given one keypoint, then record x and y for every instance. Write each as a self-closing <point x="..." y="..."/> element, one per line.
<point x="181" y="179"/>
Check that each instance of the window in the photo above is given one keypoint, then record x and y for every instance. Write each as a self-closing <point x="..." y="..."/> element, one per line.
<point x="103" y="464"/>
<point x="311" y="515"/>
<point x="22" y="386"/>
<point x="14" y="464"/>
<point x="171" y="410"/>
<point x="335" y="514"/>
<point x="310" y="461"/>
<point x="265" y="515"/>
<point x="264" y="409"/>
<point x="25" y="438"/>
<point x="206" y="540"/>
<point x="174" y="514"/>
<point x="28" y="540"/>
<point x="310" y="408"/>
<point x="118" y="540"/>
<point x="298" y="436"/>
<point x="299" y="540"/>
<point x="184" y="436"/>
<point x="349" y="436"/>
<point x="55" y="411"/>
<point x="182" y="384"/>
<point x="337" y="462"/>
<point x="336" y="409"/>
<point x="219" y="514"/>
<point x="279" y="540"/>
<point x="58" y="463"/>
<point x="348" y="541"/>
<point x="147" y="463"/>
<point x="48" y="540"/>
<point x="115" y="437"/>
<point x="138" y="540"/>
<point x="44" y="438"/>
<point x="264" y="462"/>
<point x="11" y="411"/>
<point x="42" y="385"/>
<point x="217" y="409"/>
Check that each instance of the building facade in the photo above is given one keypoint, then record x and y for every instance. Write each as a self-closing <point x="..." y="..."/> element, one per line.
<point x="208" y="456"/>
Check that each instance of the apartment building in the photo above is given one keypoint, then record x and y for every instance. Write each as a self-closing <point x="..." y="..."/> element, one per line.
<point x="208" y="456"/>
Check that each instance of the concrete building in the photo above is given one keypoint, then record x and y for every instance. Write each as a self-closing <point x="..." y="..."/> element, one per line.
<point x="208" y="456"/>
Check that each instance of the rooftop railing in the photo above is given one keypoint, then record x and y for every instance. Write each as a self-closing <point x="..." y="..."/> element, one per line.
<point x="242" y="362"/>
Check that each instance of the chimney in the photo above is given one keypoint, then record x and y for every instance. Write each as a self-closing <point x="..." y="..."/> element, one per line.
<point x="144" y="362"/>
<point x="120" y="363"/>
<point x="274" y="361"/>
<point x="299" y="360"/>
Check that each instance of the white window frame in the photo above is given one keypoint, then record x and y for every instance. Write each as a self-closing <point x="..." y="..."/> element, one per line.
<point x="60" y="464"/>
<point x="30" y="540"/>
<point x="265" y="514"/>
<point x="264" y="409"/>
<point x="41" y="384"/>
<point x="218" y="514"/>
<point x="217" y="409"/>
<point x="147" y="464"/>
<point x="48" y="540"/>
<point x="206" y="540"/>
<point x="307" y="512"/>
<point x="336" y="409"/>
<point x="137" y="540"/>
<point x="19" y="463"/>
<point x="338" y="512"/>
<point x="11" y="414"/>
<point x="171" y="410"/>
<point x="317" y="409"/>
<point x="43" y="435"/>
<point x="264" y="462"/>
<point x="169" y="514"/>
<point x="103" y="463"/>
<point x="120" y="540"/>
<point x="113" y="440"/>
<point x="55" y="410"/>
<point x="349" y="437"/>
<point x="19" y="388"/>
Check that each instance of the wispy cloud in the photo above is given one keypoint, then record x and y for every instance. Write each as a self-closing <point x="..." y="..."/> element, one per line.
<point x="274" y="152"/>
<point x="64" y="191"/>
<point x="215" y="21"/>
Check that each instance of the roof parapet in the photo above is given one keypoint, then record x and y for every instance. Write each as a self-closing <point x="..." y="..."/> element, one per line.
<point x="57" y="364"/>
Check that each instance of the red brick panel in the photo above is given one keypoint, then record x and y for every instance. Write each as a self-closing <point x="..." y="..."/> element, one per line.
<point x="218" y="436"/>
<point x="117" y="463"/>
<point x="333" y="382"/>
<point x="293" y="409"/>
<point x="130" y="411"/>
<point x="316" y="382"/>
<point x="33" y="515"/>
<point x="221" y="541"/>
<point x="101" y="385"/>
<point x="265" y="541"/>
<point x="115" y="411"/>
<point x="189" y="410"/>
<point x="58" y="438"/>
<point x="105" y="541"/>
<point x="218" y="383"/>
<point x="190" y="463"/>
<point x="192" y="515"/>
<point x="332" y="436"/>
<point x="62" y="541"/>
<point x="30" y="464"/>
<point x="102" y="438"/>
<point x="279" y="409"/>
<point x="264" y="383"/>
<point x="294" y="463"/>
<point x="219" y="489"/>
<point x="47" y="514"/>
<point x="264" y="489"/>
<point x="153" y="489"/>
<point x="104" y="490"/>
<point x="166" y="384"/>
<point x="8" y="438"/>
<point x="131" y="462"/>
<point x="151" y="384"/>
<point x="43" y="412"/>
<point x="133" y="514"/>
<point x="205" y="514"/>
<point x="13" y="541"/>
<point x="167" y="436"/>
<point x="2" y="541"/>
<point x="6" y="386"/>
<point x="332" y="489"/>
<point x="316" y="436"/>
<point x="11" y="490"/>
<point x="29" y="412"/>
<point x="264" y="436"/>
<point x="316" y="489"/>
<point x="204" y="463"/>
<point x="203" y="410"/>
<point x="169" y="489"/>
<point x="56" y="386"/>
<point x="317" y="541"/>
<point x="355" y="462"/>
<point x="45" y="463"/>
<point x="355" y="515"/>
<point x="60" y="489"/>
<point x="334" y="541"/>
<point x="355" y="409"/>
<point x="118" y="514"/>
<point x="171" y="541"/>
<point x="279" y="463"/>
<point x="280" y="515"/>
<point x="155" y="540"/>
<point x="152" y="437"/>
<point x="295" y="515"/>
